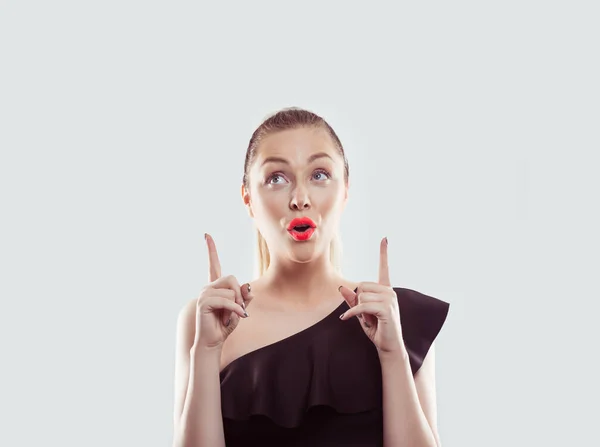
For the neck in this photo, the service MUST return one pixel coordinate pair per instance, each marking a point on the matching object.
(303, 284)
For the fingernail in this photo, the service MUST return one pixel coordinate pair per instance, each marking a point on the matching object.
(245, 314)
(360, 316)
(339, 288)
(249, 290)
(244, 305)
(204, 236)
(342, 316)
(228, 322)
(386, 241)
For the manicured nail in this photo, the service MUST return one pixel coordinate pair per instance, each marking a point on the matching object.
(339, 288)
(228, 322)
(386, 241)
(243, 305)
(245, 314)
(204, 236)
(342, 316)
(249, 290)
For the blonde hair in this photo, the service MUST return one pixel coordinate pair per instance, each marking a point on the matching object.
(285, 119)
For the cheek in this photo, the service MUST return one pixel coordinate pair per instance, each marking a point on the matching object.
(328, 204)
(270, 206)
(331, 201)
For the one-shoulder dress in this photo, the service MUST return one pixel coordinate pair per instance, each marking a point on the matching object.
(321, 386)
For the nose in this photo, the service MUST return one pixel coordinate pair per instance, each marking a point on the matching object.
(300, 200)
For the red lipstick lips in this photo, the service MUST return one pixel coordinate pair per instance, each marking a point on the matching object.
(301, 228)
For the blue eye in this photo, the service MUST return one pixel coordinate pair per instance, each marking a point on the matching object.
(272, 177)
(323, 171)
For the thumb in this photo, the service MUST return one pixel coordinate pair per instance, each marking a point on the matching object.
(247, 294)
(348, 295)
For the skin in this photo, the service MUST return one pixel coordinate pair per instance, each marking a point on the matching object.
(300, 273)
(299, 288)
(300, 276)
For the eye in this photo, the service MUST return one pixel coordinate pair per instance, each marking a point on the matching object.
(269, 180)
(323, 172)
(271, 177)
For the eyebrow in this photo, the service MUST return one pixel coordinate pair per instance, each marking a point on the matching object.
(283, 160)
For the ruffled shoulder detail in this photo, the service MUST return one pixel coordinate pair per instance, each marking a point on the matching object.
(422, 317)
(332, 364)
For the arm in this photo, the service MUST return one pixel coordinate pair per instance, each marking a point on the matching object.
(409, 408)
(197, 418)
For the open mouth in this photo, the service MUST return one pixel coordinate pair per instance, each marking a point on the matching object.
(301, 224)
(301, 234)
(301, 228)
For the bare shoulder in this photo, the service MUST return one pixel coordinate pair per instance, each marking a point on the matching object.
(188, 309)
(186, 324)
(185, 333)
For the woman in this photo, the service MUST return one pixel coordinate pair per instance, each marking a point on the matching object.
(293, 373)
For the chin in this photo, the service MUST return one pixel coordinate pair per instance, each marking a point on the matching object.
(303, 255)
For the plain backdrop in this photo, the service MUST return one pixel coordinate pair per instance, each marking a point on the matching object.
(472, 133)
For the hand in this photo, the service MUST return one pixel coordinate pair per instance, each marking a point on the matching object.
(220, 305)
(376, 305)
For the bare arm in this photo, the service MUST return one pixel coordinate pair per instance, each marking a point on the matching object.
(409, 409)
(197, 415)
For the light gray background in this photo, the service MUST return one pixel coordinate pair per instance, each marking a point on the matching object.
(471, 130)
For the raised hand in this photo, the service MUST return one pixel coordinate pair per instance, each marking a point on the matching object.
(376, 306)
(221, 304)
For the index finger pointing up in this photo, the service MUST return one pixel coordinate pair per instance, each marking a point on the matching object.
(214, 266)
(384, 272)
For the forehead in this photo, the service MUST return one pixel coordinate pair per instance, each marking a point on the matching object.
(296, 145)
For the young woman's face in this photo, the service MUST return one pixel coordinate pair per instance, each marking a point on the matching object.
(296, 173)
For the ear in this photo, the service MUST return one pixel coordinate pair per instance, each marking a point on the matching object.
(246, 200)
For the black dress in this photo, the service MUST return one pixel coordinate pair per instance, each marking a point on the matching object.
(321, 386)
